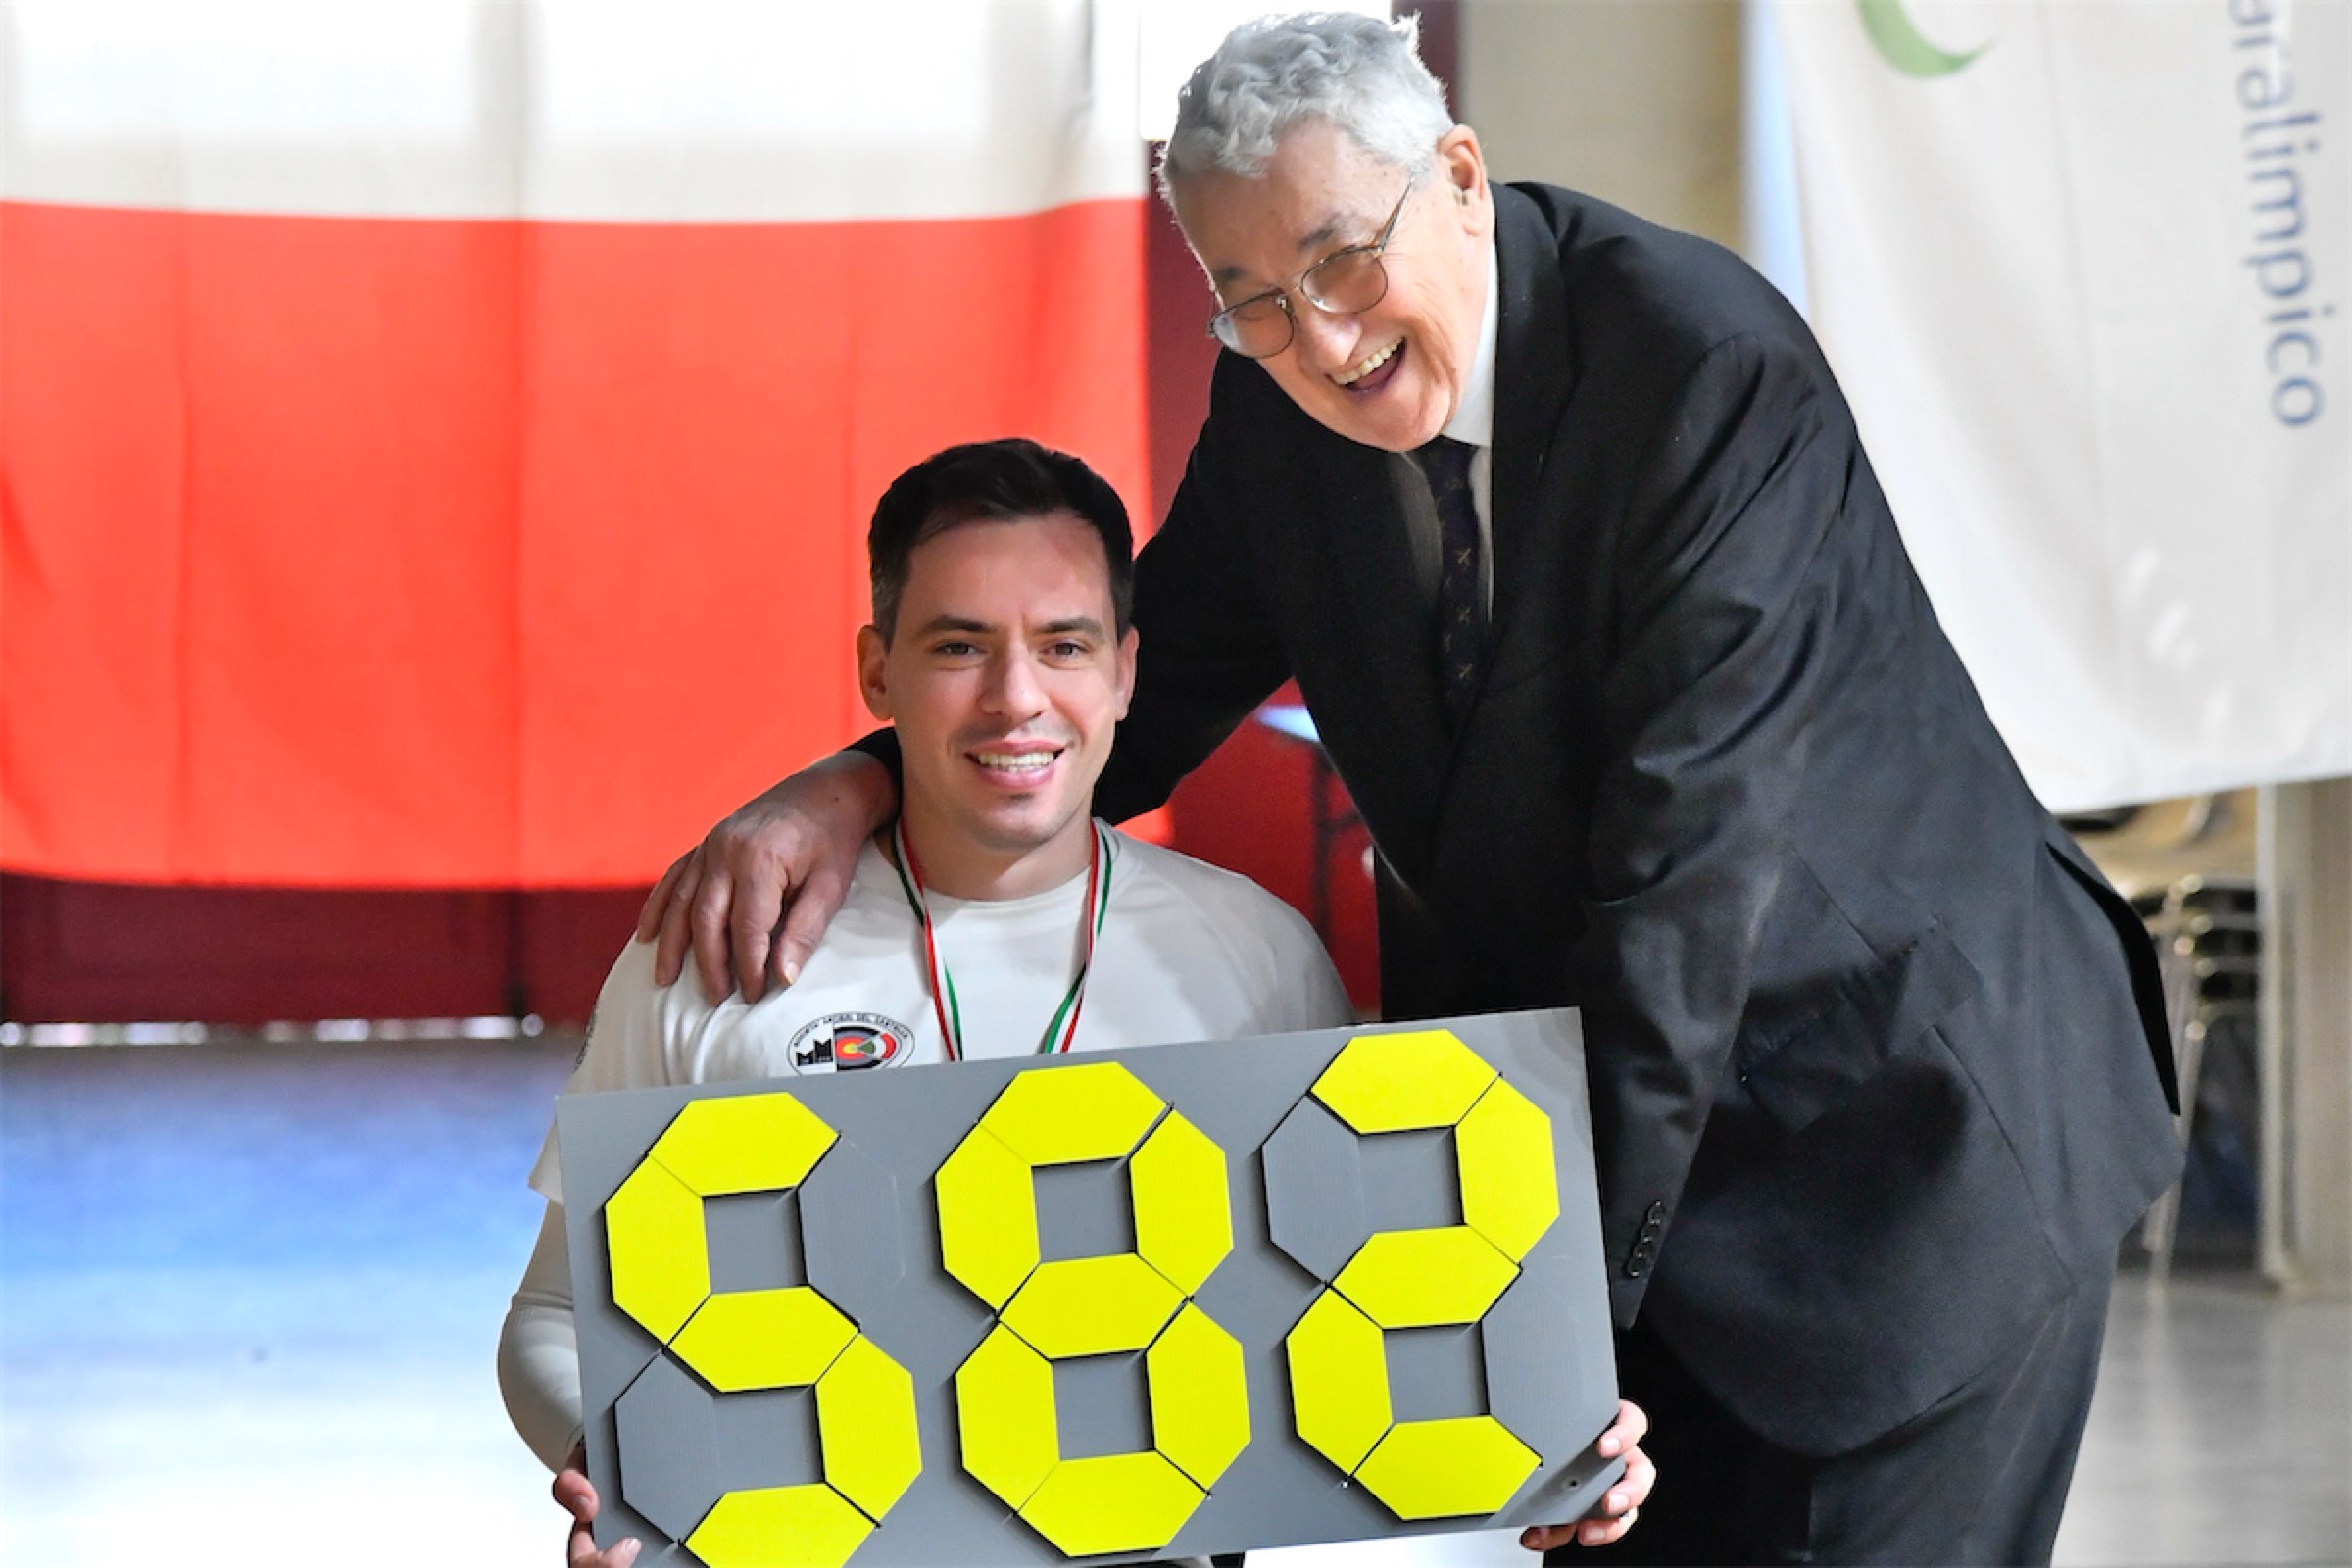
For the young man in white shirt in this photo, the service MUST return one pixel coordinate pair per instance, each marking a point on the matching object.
(996, 917)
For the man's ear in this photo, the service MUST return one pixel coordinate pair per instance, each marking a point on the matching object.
(1126, 670)
(1462, 166)
(873, 672)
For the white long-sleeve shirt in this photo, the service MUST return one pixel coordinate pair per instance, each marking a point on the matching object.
(1186, 952)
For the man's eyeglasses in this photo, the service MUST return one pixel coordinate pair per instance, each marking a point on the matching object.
(1339, 285)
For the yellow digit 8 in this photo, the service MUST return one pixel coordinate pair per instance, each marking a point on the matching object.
(785, 1338)
(1120, 1301)
(1442, 1275)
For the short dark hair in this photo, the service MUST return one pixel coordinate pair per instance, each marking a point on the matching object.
(991, 481)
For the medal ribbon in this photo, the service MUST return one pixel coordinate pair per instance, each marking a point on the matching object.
(1063, 1027)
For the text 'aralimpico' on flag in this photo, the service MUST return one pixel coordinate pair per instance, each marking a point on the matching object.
(2082, 270)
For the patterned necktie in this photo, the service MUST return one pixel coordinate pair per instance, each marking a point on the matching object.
(1461, 649)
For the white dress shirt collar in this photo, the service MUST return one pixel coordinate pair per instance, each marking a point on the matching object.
(1472, 418)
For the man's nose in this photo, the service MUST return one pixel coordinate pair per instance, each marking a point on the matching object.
(1323, 341)
(1012, 685)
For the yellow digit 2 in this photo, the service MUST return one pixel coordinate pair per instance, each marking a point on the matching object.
(1447, 1274)
(1121, 1302)
(784, 1338)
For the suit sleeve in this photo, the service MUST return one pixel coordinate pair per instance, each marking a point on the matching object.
(1207, 650)
(1723, 609)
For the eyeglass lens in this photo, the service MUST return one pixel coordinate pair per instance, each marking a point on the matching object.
(1351, 280)
(1339, 285)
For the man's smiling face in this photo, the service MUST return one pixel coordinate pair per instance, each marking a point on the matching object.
(1389, 377)
(1006, 678)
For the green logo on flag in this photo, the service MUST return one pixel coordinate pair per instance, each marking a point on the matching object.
(1901, 46)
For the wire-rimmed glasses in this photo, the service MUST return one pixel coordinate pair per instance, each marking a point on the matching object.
(1341, 283)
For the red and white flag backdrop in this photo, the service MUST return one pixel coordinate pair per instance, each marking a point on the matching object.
(436, 438)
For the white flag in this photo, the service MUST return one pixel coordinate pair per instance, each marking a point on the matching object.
(2082, 270)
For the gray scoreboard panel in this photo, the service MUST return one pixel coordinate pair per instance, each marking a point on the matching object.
(1120, 1305)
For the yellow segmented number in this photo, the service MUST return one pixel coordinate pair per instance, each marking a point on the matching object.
(1441, 1275)
(1119, 1302)
(767, 1339)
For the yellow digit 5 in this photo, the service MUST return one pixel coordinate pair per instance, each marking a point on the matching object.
(1121, 1302)
(784, 1338)
(1447, 1274)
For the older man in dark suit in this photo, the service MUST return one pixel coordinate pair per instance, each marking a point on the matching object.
(1563, 527)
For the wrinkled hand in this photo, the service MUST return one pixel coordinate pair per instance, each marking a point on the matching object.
(756, 895)
(577, 1494)
(1616, 1511)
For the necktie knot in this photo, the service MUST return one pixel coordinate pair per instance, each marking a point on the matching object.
(1446, 463)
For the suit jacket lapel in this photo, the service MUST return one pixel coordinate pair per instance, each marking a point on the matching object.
(1534, 373)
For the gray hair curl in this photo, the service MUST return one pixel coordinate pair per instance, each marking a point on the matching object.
(1361, 75)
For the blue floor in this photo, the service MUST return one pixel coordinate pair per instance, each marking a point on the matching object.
(249, 1296)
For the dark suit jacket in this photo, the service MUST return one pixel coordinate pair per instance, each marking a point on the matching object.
(1877, 1063)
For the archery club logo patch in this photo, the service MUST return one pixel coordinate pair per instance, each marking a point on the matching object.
(851, 1042)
